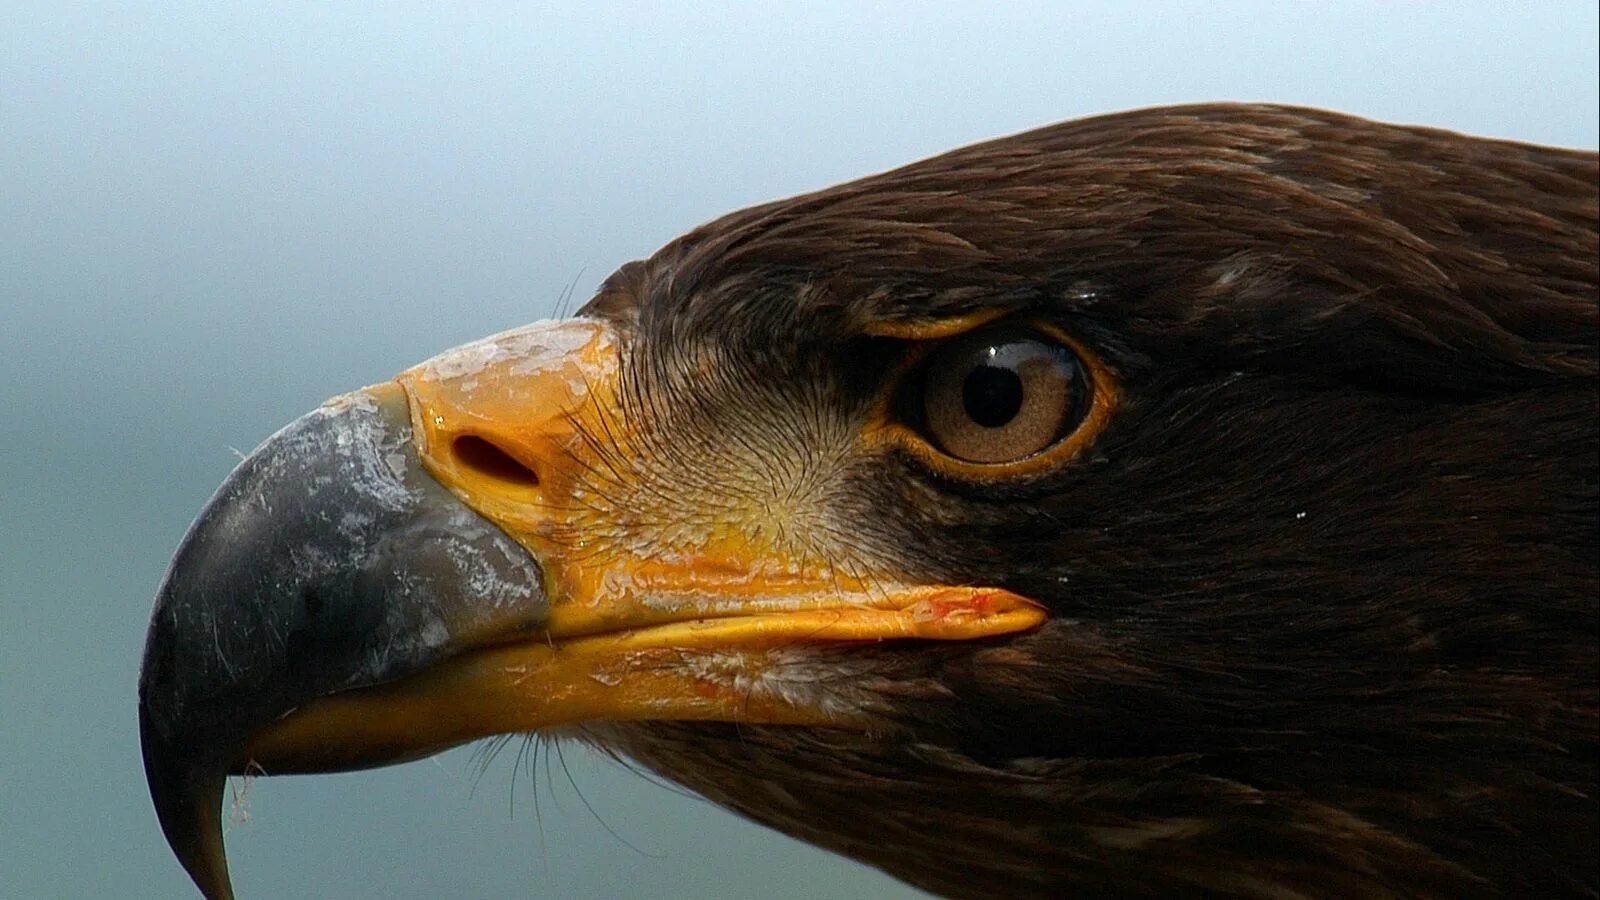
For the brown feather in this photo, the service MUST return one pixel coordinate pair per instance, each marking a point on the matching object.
(1324, 594)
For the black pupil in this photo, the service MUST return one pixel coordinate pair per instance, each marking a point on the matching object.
(992, 395)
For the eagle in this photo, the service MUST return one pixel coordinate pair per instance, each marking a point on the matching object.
(1198, 501)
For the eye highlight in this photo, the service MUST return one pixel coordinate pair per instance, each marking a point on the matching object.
(1002, 396)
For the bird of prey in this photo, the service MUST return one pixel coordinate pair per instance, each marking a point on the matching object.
(1190, 501)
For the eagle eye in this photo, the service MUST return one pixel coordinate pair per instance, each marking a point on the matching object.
(1000, 397)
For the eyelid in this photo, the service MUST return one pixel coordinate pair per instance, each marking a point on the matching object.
(936, 329)
(891, 430)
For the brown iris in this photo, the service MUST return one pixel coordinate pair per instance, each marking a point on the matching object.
(998, 397)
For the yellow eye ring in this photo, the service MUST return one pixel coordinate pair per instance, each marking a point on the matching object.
(1011, 438)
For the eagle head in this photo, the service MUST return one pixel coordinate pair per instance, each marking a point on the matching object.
(1198, 500)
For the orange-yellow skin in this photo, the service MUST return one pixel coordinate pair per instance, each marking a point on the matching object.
(641, 626)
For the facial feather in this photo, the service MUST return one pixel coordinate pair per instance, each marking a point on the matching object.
(1323, 590)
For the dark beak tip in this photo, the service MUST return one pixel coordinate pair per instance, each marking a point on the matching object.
(187, 795)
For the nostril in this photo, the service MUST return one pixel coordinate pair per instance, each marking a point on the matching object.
(483, 457)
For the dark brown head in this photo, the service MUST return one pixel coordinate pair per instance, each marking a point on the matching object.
(1194, 500)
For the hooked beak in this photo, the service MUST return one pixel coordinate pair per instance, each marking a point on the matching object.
(329, 560)
(407, 568)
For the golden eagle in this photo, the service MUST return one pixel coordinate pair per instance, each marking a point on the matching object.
(1191, 501)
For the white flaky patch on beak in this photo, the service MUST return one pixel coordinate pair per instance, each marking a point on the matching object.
(535, 349)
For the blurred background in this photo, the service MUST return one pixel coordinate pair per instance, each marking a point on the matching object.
(212, 216)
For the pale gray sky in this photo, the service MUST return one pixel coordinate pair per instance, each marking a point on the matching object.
(214, 215)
